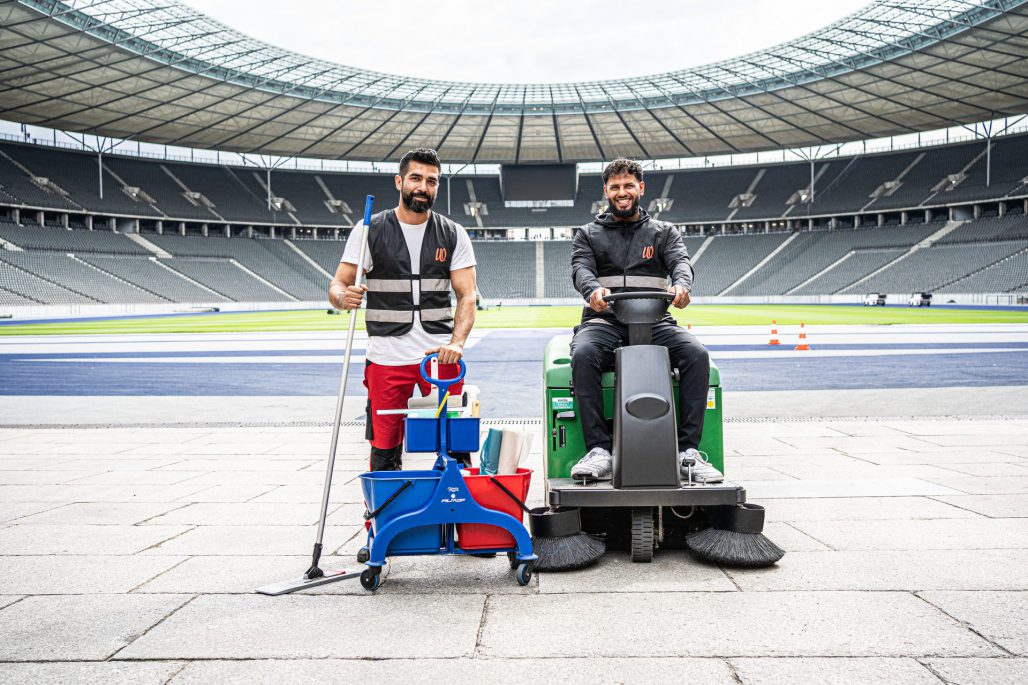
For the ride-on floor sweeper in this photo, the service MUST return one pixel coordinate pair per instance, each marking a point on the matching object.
(646, 504)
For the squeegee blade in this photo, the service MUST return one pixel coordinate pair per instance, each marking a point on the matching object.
(286, 586)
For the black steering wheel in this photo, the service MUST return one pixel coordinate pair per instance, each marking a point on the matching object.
(640, 295)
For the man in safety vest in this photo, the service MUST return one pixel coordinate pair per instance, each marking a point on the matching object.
(414, 258)
(621, 250)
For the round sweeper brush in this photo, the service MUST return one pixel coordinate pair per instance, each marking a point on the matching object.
(558, 540)
(735, 538)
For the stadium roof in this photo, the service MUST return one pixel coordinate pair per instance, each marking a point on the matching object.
(158, 71)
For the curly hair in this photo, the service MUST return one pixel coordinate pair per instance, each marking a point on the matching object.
(623, 165)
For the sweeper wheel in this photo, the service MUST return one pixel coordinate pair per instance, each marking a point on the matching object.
(524, 574)
(642, 534)
(371, 579)
(363, 554)
(512, 559)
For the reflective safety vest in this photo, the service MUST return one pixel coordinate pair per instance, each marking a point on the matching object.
(391, 309)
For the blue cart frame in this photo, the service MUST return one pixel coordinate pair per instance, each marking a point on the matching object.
(450, 503)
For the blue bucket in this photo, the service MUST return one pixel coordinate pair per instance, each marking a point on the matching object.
(420, 434)
(378, 486)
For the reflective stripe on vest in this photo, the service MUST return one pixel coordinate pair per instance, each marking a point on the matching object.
(436, 314)
(435, 284)
(388, 285)
(388, 316)
(632, 281)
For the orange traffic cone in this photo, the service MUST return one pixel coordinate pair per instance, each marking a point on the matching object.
(774, 334)
(803, 339)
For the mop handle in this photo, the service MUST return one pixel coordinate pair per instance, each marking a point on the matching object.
(330, 467)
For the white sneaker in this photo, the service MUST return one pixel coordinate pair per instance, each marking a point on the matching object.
(702, 471)
(596, 465)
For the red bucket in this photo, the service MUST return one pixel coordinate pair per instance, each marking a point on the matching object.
(485, 492)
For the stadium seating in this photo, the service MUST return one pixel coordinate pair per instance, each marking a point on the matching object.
(79, 277)
(150, 275)
(510, 267)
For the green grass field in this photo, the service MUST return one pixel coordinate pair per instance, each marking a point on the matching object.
(523, 317)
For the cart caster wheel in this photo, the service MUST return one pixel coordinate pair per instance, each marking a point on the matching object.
(512, 559)
(363, 555)
(524, 574)
(642, 534)
(371, 579)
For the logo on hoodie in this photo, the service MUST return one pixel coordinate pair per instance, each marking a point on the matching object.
(648, 252)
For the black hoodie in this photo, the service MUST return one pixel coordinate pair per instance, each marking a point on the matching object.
(607, 247)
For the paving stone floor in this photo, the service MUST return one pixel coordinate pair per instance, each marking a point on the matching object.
(130, 555)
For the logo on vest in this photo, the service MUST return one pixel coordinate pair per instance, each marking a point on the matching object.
(440, 254)
(648, 252)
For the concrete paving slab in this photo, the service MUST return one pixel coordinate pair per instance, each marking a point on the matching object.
(988, 485)
(342, 492)
(976, 438)
(926, 534)
(244, 540)
(991, 469)
(137, 478)
(89, 673)
(867, 471)
(99, 513)
(11, 511)
(1001, 617)
(861, 509)
(814, 624)
(970, 671)
(310, 479)
(78, 539)
(264, 514)
(495, 671)
(939, 457)
(22, 477)
(250, 465)
(98, 464)
(896, 570)
(7, 600)
(789, 538)
(95, 493)
(226, 493)
(858, 445)
(314, 627)
(995, 506)
(70, 575)
(959, 426)
(237, 574)
(670, 571)
(79, 627)
(832, 670)
(843, 487)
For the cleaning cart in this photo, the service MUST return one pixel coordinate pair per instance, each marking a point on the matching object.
(436, 511)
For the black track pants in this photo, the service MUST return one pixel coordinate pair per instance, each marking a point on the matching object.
(592, 353)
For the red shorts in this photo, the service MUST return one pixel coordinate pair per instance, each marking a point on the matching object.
(389, 387)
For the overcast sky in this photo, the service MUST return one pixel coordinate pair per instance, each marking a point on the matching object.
(526, 40)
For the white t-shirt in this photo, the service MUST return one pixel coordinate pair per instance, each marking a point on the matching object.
(398, 350)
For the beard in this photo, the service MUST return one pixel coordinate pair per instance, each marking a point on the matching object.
(624, 213)
(419, 203)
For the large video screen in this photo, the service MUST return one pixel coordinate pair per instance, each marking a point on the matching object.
(537, 182)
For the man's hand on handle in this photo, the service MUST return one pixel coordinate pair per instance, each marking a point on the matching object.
(448, 354)
(596, 302)
(353, 296)
(681, 300)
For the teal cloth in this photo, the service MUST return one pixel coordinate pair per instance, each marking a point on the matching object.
(489, 457)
